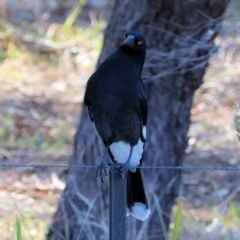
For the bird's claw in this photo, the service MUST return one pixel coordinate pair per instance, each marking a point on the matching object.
(103, 167)
(126, 167)
(117, 167)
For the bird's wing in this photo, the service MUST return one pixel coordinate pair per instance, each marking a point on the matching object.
(89, 95)
(143, 110)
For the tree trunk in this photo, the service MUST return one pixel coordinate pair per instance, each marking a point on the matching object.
(179, 36)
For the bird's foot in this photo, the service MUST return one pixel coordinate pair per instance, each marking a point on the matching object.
(102, 168)
(117, 167)
(127, 167)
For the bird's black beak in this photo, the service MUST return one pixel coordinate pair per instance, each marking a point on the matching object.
(129, 41)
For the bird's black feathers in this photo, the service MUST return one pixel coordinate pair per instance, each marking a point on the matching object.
(135, 188)
(117, 104)
(115, 93)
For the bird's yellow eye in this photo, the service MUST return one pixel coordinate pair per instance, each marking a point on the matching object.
(139, 42)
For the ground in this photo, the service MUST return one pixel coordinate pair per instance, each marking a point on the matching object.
(41, 91)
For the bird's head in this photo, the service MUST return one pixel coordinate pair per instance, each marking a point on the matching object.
(134, 42)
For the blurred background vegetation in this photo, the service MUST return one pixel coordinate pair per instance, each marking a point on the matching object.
(48, 49)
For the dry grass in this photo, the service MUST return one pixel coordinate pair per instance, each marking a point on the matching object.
(42, 80)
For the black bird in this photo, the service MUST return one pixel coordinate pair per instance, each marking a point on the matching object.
(117, 104)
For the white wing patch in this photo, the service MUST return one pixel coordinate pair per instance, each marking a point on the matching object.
(144, 131)
(121, 150)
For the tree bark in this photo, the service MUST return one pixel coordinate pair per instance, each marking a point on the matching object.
(179, 36)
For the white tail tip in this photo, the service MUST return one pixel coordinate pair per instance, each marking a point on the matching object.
(139, 211)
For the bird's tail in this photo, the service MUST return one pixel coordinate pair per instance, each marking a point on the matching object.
(136, 199)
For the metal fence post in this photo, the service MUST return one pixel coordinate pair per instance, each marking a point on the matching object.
(117, 202)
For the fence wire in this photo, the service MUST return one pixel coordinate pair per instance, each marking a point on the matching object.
(81, 166)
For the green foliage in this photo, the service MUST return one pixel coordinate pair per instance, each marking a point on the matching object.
(7, 127)
(234, 212)
(18, 229)
(32, 140)
(29, 221)
(54, 58)
(6, 43)
(56, 142)
(237, 120)
(8, 120)
(178, 219)
(26, 227)
(73, 16)
(3, 54)
(71, 19)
